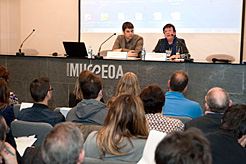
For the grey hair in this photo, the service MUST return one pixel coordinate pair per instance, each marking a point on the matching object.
(63, 144)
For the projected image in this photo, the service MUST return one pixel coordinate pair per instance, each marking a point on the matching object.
(201, 16)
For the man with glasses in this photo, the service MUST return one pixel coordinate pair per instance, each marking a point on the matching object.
(41, 93)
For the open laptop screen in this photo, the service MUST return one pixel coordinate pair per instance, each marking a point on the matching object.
(75, 49)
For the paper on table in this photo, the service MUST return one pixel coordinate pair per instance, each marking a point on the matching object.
(23, 142)
(153, 140)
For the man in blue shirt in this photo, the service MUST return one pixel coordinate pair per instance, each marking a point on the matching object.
(175, 102)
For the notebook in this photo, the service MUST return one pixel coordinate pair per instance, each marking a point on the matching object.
(75, 49)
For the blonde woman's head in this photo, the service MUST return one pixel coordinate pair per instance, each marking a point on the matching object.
(128, 84)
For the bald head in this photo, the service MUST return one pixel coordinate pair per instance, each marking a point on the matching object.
(218, 100)
(178, 81)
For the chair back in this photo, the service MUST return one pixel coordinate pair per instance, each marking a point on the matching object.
(87, 129)
(99, 161)
(24, 128)
(16, 109)
(183, 119)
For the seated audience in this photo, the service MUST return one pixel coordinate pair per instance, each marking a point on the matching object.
(153, 99)
(90, 110)
(76, 96)
(124, 134)
(62, 145)
(171, 42)
(6, 156)
(4, 74)
(41, 93)
(189, 147)
(128, 84)
(217, 101)
(6, 110)
(227, 144)
(175, 102)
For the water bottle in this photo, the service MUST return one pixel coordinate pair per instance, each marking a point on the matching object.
(90, 52)
(143, 54)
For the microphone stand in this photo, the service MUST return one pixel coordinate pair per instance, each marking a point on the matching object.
(184, 56)
(98, 54)
(22, 53)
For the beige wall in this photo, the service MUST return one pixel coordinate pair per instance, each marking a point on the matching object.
(9, 25)
(57, 20)
(53, 20)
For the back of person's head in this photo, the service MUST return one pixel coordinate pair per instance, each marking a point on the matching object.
(127, 25)
(81, 79)
(169, 26)
(4, 92)
(3, 129)
(217, 100)
(4, 73)
(234, 118)
(153, 99)
(91, 87)
(125, 119)
(189, 147)
(179, 80)
(39, 88)
(63, 144)
(128, 84)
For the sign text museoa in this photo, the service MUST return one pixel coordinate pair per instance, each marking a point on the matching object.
(106, 71)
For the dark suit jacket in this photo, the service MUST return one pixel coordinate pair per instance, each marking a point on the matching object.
(225, 148)
(180, 46)
(207, 123)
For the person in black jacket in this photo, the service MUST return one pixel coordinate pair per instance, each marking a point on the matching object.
(176, 45)
(227, 144)
(217, 101)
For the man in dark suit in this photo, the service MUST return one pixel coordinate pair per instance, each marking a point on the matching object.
(217, 101)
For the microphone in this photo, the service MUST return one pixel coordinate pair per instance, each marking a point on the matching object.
(22, 53)
(183, 56)
(98, 54)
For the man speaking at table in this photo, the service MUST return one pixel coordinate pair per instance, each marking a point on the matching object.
(128, 42)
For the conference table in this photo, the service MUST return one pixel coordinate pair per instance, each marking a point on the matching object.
(62, 73)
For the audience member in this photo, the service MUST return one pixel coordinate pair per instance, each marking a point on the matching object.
(225, 143)
(153, 99)
(171, 42)
(217, 101)
(7, 152)
(4, 74)
(175, 103)
(63, 144)
(5, 109)
(128, 84)
(124, 134)
(128, 42)
(76, 96)
(41, 93)
(189, 147)
(90, 110)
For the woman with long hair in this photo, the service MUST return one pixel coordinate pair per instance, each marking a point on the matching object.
(4, 74)
(6, 110)
(124, 134)
(128, 84)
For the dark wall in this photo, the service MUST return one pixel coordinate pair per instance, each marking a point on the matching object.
(202, 76)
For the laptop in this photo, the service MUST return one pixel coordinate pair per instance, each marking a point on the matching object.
(75, 49)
